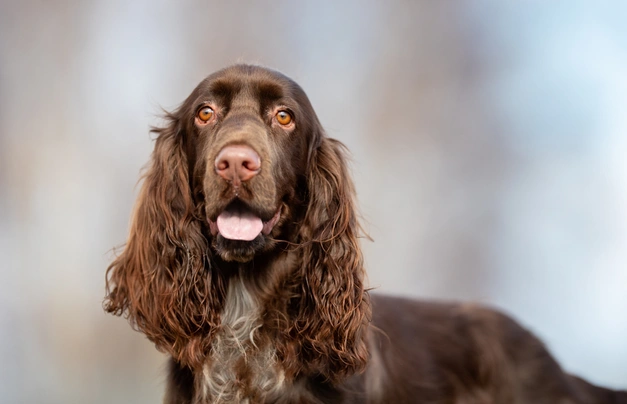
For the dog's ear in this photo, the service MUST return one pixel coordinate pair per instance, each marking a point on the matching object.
(334, 308)
(162, 280)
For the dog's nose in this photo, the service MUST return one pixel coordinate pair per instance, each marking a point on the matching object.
(237, 163)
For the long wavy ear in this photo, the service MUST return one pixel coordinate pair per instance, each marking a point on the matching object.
(162, 280)
(334, 308)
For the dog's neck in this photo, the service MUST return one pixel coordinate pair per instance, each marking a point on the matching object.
(241, 365)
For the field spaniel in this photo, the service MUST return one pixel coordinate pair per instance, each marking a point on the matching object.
(243, 264)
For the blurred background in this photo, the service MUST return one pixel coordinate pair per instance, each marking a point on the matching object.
(488, 145)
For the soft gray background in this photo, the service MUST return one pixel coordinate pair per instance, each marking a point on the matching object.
(488, 144)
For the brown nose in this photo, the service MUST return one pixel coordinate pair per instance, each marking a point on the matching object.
(237, 163)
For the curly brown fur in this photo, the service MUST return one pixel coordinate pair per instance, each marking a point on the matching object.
(243, 264)
(162, 280)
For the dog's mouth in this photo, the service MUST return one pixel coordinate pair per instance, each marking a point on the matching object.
(238, 222)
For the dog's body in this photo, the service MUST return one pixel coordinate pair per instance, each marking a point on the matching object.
(243, 263)
(420, 352)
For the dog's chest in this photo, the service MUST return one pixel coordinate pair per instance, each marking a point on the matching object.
(242, 367)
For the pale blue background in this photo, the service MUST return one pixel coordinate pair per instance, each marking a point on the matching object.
(488, 141)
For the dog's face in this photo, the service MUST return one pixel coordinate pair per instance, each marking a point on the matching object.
(247, 133)
(243, 172)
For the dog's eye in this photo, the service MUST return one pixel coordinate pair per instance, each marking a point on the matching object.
(205, 114)
(283, 117)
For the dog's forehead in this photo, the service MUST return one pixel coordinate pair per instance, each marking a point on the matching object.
(248, 84)
(248, 81)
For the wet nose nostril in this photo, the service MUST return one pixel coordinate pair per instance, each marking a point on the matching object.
(237, 163)
(222, 165)
(251, 165)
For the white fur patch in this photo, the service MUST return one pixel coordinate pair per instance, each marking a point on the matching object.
(222, 379)
(375, 377)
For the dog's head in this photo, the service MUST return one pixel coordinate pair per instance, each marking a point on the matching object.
(247, 132)
(241, 173)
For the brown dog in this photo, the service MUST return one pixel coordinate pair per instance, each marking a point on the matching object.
(243, 264)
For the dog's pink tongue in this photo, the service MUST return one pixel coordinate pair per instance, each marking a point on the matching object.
(239, 225)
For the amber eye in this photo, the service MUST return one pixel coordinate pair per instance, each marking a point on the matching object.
(205, 114)
(283, 117)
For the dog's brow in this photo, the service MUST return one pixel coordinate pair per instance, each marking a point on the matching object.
(268, 91)
(225, 88)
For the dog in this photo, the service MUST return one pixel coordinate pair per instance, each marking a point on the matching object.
(243, 264)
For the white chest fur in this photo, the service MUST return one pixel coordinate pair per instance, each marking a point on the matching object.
(241, 367)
